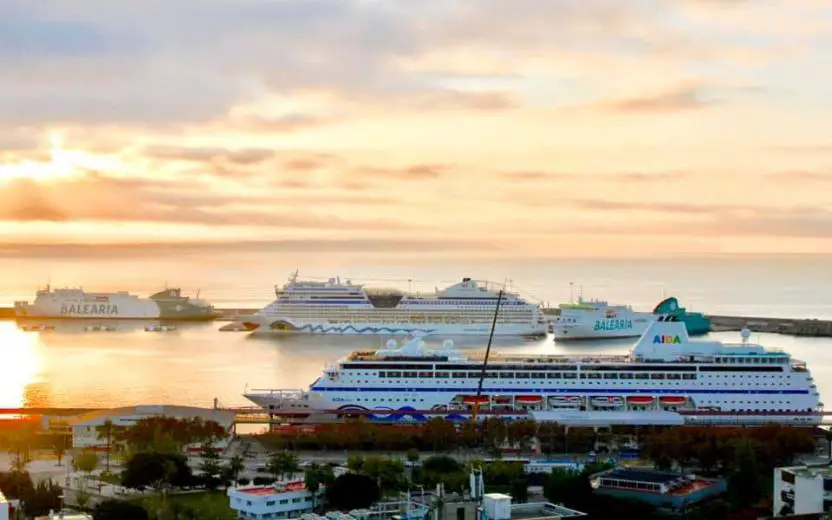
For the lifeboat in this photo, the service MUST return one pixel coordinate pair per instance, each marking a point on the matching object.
(502, 399)
(640, 399)
(672, 399)
(472, 399)
(528, 398)
(606, 401)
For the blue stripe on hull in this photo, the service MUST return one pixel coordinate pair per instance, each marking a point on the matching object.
(558, 390)
(363, 330)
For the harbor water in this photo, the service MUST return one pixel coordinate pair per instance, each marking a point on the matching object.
(196, 363)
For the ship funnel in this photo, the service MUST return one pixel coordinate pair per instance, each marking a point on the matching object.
(664, 331)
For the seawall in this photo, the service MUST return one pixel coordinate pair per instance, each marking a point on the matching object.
(794, 327)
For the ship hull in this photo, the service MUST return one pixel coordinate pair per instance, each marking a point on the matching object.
(110, 306)
(597, 326)
(268, 325)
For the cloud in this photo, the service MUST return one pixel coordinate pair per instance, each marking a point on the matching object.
(614, 177)
(419, 172)
(155, 249)
(244, 156)
(800, 176)
(98, 198)
(683, 98)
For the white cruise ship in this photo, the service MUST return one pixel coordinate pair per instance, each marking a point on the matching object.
(665, 379)
(333, 307)
(168, 304)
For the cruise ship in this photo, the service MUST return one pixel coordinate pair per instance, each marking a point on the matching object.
(598, 320)
(333, 307)
(665, 379)
(168, 304)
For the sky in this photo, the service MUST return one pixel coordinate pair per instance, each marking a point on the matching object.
(542, 128)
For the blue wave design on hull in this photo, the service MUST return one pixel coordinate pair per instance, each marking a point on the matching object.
(403, 414)
(363, 330)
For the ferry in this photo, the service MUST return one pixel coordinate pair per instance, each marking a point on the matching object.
(597, 319)
(168, 304)
(664, 379)
(332, 307)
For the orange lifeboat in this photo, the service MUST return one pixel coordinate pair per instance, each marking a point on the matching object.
(472, 399)
(528, 398)
(640, 399)
(672, 399)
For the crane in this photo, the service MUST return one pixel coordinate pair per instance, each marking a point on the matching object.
(485, 361)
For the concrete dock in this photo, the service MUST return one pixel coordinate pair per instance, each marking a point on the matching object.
(794, 327)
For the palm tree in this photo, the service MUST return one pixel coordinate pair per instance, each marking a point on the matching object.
(59, 446)
(313, 478)
(105, 430)
(235, 467)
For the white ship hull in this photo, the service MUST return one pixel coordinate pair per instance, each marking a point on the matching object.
(75, 304)
(664, 380)
(596, 325)
(277, 325)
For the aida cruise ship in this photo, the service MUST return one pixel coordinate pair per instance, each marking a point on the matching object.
(332, 307)
(665, 379)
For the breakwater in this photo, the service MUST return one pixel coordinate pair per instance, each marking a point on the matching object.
(791, 326)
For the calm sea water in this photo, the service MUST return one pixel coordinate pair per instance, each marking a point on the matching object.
(196, 363)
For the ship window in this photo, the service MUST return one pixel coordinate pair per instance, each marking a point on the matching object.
(394, 374)
(569, 375)
(506, 375)
(409, 374)
(610, 376)
(656, 376)
(521, 375)
(625, 376)
(674, 376)
(460, 375)
(442, 374)
(642, 376)
(382, 374)
(474, 375)
(583, 375)
(594, 376)
(538, 375)
(426, 374)
(553, 375)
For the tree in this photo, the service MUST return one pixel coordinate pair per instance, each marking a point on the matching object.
(235, 466)
(283, 463)
(119, 510)
(352, 491)
(105, 431)
(156, 470)
(210, 465)
(313, 478)
(520, 489)
(59, 446)
(82, 497)
(44, 497)
(413, 455)
(85, 461)
(355, 463)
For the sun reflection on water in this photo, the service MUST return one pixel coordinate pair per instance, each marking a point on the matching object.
(20, 362)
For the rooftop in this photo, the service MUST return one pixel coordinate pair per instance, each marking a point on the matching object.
(547, 510)
(280, 487)
(129, 414)
(810, 471)
(642, 475)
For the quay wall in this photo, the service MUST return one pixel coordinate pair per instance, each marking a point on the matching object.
(795, 327)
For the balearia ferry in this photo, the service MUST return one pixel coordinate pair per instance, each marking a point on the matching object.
(168, 304)
(598, 319)
(332, 307)
(665, 379)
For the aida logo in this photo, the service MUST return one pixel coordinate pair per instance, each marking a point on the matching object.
(667, 340)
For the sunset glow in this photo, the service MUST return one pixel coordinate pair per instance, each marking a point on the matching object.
(560, 129)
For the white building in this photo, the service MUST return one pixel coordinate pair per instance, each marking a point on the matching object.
(801, 490)
(85, 434)
(281, 500)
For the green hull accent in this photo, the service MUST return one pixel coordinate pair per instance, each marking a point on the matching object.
(696, 322)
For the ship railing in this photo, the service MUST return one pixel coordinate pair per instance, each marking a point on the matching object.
(278, 393)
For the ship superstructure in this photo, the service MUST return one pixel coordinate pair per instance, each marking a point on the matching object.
(168, 304)
(664, 376)
(597, 319)
(335, 307)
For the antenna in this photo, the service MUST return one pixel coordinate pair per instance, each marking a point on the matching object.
(571, 292)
